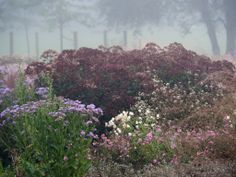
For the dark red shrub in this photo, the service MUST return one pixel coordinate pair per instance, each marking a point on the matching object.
(111, 77)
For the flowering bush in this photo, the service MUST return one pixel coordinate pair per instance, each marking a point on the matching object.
(177, 102)
(135, 140)
(164, 91)
(45, 135)
(49, 138)
(112, 78)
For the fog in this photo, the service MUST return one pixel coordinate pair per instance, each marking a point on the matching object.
(206, 28)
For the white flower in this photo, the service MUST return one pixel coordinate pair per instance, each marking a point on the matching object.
(119, 117)
(131, 113)
(129, 134)
(147, 111)
(118, 130)
(128, 118)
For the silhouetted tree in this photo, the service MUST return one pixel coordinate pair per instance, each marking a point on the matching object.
(19, 13)
(59, 13)
(183, 13)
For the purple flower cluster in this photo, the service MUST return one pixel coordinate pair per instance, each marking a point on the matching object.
(4, 92)
(42, 91)
(66, 106)
(75, 106)
(13, 112)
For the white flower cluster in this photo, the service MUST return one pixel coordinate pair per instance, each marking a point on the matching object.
(120, 121)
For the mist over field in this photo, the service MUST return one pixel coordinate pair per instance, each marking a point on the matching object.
(198, 25)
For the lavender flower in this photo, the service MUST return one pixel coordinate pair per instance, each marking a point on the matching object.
(66, 106)
(42, 91)
(90, 106)
(5, 91)
(82, 133)
(13, 112)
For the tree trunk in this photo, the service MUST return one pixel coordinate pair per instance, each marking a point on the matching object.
(37, 45)
(230, 26)
(125, 39)
(61, 36)
(27, 39)
(105, 39)
(11, 39)
(213, 39)
(75, 37)
(211, 31)
(230, 43)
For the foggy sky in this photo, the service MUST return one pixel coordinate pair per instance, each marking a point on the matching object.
(196, 40)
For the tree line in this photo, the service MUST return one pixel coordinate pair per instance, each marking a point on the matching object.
(132, 14)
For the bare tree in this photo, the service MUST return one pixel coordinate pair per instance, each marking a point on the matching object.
(183, 13)
(19, 13)
(59, 13)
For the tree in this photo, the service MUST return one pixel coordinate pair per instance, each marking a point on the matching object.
(59, 13)
(19, 13)
(230, 25)
(184, 13)
(195, 12)
(132, 13)
(211, 13)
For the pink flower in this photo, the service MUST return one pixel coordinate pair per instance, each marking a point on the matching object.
(154, 161)
(179, 130)
(158, 129)
(149, 137)
(65, 158)
(82, 133)
(210, 142)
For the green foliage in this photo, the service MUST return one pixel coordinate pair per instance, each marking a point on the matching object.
(45, 147)
(46, 80)
(44, 138)
(22, 92)
(6, 172)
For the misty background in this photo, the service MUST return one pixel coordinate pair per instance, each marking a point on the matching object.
(29, 27)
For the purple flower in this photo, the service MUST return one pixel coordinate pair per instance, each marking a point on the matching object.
(5, 91)
(90, 106)
(16, 110)
(65, 107)
(82, 133)
(92, 135)
(57, 115)
(42, 91)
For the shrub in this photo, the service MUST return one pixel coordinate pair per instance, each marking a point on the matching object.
(45, 135)
(112, 78)
(135, 140)
(49, 138)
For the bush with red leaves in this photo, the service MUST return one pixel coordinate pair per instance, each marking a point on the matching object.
(112, 78)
